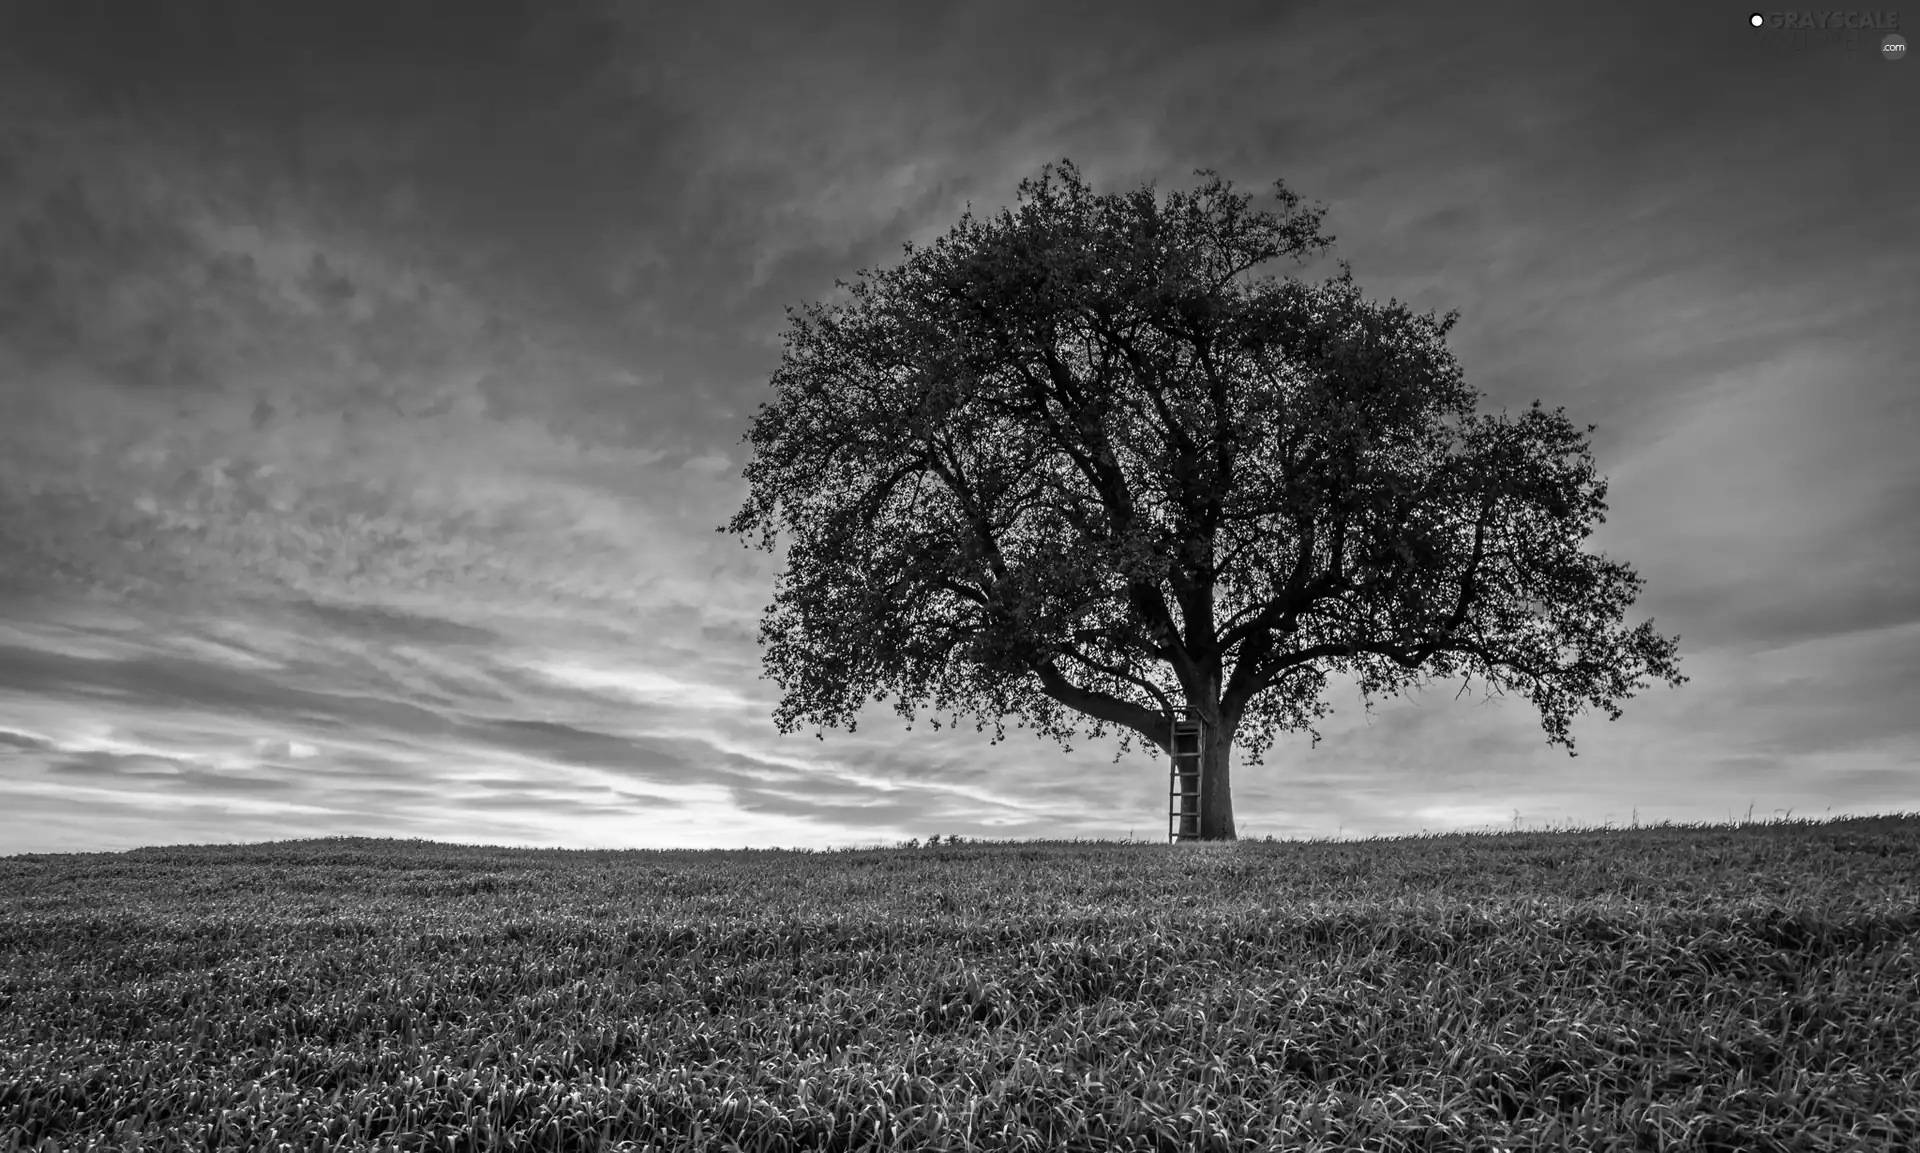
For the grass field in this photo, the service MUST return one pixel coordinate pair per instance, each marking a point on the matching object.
(1747, 987)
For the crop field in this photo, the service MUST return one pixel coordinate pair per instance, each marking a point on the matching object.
(1743, 987)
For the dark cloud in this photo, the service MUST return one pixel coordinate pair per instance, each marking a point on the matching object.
(173, 682)
(736, 635)
(1874, 786)
(167, 774)
(71, 254)
(390, 625)
(576, 805)
(1756, 613)
(107, 765)
(1748, 769)
(358, 58)
(836, 810)
(655, 760)
(22, 741)
(574, 746)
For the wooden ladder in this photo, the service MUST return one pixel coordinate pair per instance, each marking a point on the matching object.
(1187, 734)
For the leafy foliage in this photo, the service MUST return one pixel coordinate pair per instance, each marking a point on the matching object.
(1079, 459)
(1747, 988)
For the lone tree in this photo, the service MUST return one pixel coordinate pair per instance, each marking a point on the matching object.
(1079, 456)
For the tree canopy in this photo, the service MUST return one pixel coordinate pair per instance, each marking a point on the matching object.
(1080, 458)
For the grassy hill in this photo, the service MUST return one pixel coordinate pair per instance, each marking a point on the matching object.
(1741, 987)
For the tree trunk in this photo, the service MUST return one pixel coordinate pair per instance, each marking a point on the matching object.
(1216, 792)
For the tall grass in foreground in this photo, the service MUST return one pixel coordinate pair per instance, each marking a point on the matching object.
(1720, 988)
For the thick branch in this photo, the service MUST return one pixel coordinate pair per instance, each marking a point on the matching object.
(1120, 674)
(1103, 706)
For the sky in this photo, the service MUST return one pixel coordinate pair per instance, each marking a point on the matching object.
(373, 381)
